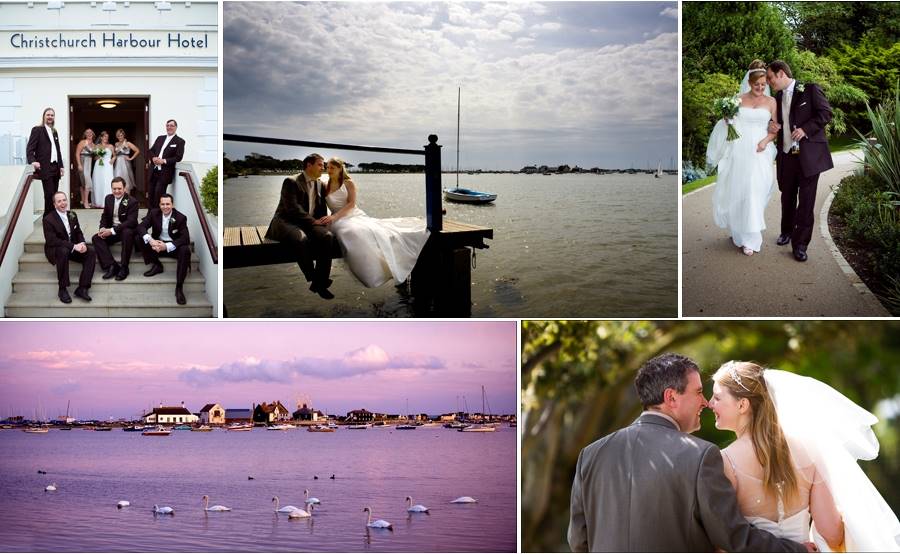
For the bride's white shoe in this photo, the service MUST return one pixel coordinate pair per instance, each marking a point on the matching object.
(747, 251)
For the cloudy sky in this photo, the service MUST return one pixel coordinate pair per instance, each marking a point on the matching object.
(105, 369)
(586, 83)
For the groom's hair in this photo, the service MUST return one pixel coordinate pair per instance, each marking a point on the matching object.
(666, 371)
(311, 159)
(779, 65)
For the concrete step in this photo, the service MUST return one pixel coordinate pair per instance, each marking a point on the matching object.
(44, 283)
(32, 261)
(159, 303)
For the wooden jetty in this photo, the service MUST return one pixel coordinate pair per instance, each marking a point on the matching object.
(441, 281)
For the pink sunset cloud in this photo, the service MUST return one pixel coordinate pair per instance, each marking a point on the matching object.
(120, 369)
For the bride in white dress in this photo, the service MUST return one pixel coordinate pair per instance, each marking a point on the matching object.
(793, 464)
(101, 180)
(745, 173)
(375, 250)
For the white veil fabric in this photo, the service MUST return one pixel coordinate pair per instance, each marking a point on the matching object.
(745, 85)
(835, 433)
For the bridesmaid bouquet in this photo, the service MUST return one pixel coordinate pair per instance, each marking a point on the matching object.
(99, 152)
(727, 108)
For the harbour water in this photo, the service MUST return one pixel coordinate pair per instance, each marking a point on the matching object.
(377, 467)
(576, 245)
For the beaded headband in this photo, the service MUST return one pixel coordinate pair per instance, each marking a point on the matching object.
(732, 371)
(757, 70)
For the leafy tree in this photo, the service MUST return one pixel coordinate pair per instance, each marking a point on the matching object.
(724, 37)
(873, 69)
(820, 26)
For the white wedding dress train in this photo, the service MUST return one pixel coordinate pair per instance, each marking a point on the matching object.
(745, 179)
(376, 250)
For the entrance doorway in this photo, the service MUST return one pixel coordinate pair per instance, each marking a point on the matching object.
(109, 113)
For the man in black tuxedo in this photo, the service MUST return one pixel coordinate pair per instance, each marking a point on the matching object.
(803, 113)
(164, 232)
(64, 241)
(302, 202)
(44, 154)
(167, 151)
(117, 223)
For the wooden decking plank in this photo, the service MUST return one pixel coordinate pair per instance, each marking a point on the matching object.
(261, 229)
(249, 236)
(232, 236)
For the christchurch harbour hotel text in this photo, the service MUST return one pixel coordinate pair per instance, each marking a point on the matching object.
(109, 40)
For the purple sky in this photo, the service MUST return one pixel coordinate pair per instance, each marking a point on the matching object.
(110, 368)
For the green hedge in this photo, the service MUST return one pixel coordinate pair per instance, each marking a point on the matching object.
(209, 191)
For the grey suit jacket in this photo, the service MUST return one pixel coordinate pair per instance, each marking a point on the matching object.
(651, 488)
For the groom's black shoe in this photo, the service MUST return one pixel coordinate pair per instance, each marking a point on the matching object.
(800, 254)
(322, 290)
(783, 239)
(112, 271)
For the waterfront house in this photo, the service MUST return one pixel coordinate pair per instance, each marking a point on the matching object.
(529, 169)
(238, 415)
(212, 414)
(360, 416)
(170, 414)
(270, 412)
(305, 413)
(448, 417)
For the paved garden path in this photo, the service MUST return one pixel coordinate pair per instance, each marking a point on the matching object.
(718, 280)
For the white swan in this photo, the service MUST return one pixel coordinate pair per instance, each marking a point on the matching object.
(309, 500)
(464, 500)
(298, 513)
(50, 488)
(216, 508)
(286, 509)
(165, 510)
(378, 523)
(417, 508)
(123, 504)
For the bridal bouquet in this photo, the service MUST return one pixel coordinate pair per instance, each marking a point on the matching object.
(728, 108)
(100, 151)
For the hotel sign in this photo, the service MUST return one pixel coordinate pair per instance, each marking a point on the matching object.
(107, 43)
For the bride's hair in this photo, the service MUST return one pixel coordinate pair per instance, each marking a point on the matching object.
(757, 69)
(340, 163)
(745, 380)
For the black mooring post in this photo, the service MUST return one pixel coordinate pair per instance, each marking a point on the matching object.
(433, 207)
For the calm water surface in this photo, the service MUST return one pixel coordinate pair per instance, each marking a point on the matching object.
(564, 246)
(377, 468)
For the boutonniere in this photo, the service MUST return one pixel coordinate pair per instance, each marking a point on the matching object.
(71, 216)
(124, 203)
(799, 87)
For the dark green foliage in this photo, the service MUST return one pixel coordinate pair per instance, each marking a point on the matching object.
(698, 115)
(724, 37)
(820, 26)
(209, 191)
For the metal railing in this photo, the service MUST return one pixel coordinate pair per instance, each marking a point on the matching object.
(201, 213)
(14, 219)
(431, 151)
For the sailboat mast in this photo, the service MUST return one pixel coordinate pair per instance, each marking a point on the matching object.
(458, 99)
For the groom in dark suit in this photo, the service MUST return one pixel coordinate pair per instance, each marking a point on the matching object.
(803, 113)
(164, 232)
(64, 241)
(302, 202)
(117, 223)
(44, 154)
(653, 487)
(167, 150)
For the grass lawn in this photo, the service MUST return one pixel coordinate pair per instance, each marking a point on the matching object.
(839, 144)
(699, 183)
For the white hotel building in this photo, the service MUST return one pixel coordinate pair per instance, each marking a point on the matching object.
(106, 65)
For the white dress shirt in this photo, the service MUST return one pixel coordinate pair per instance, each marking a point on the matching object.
(163, 234)
(786, 99)
(54, 157)
(64, 216)
(162, 151)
